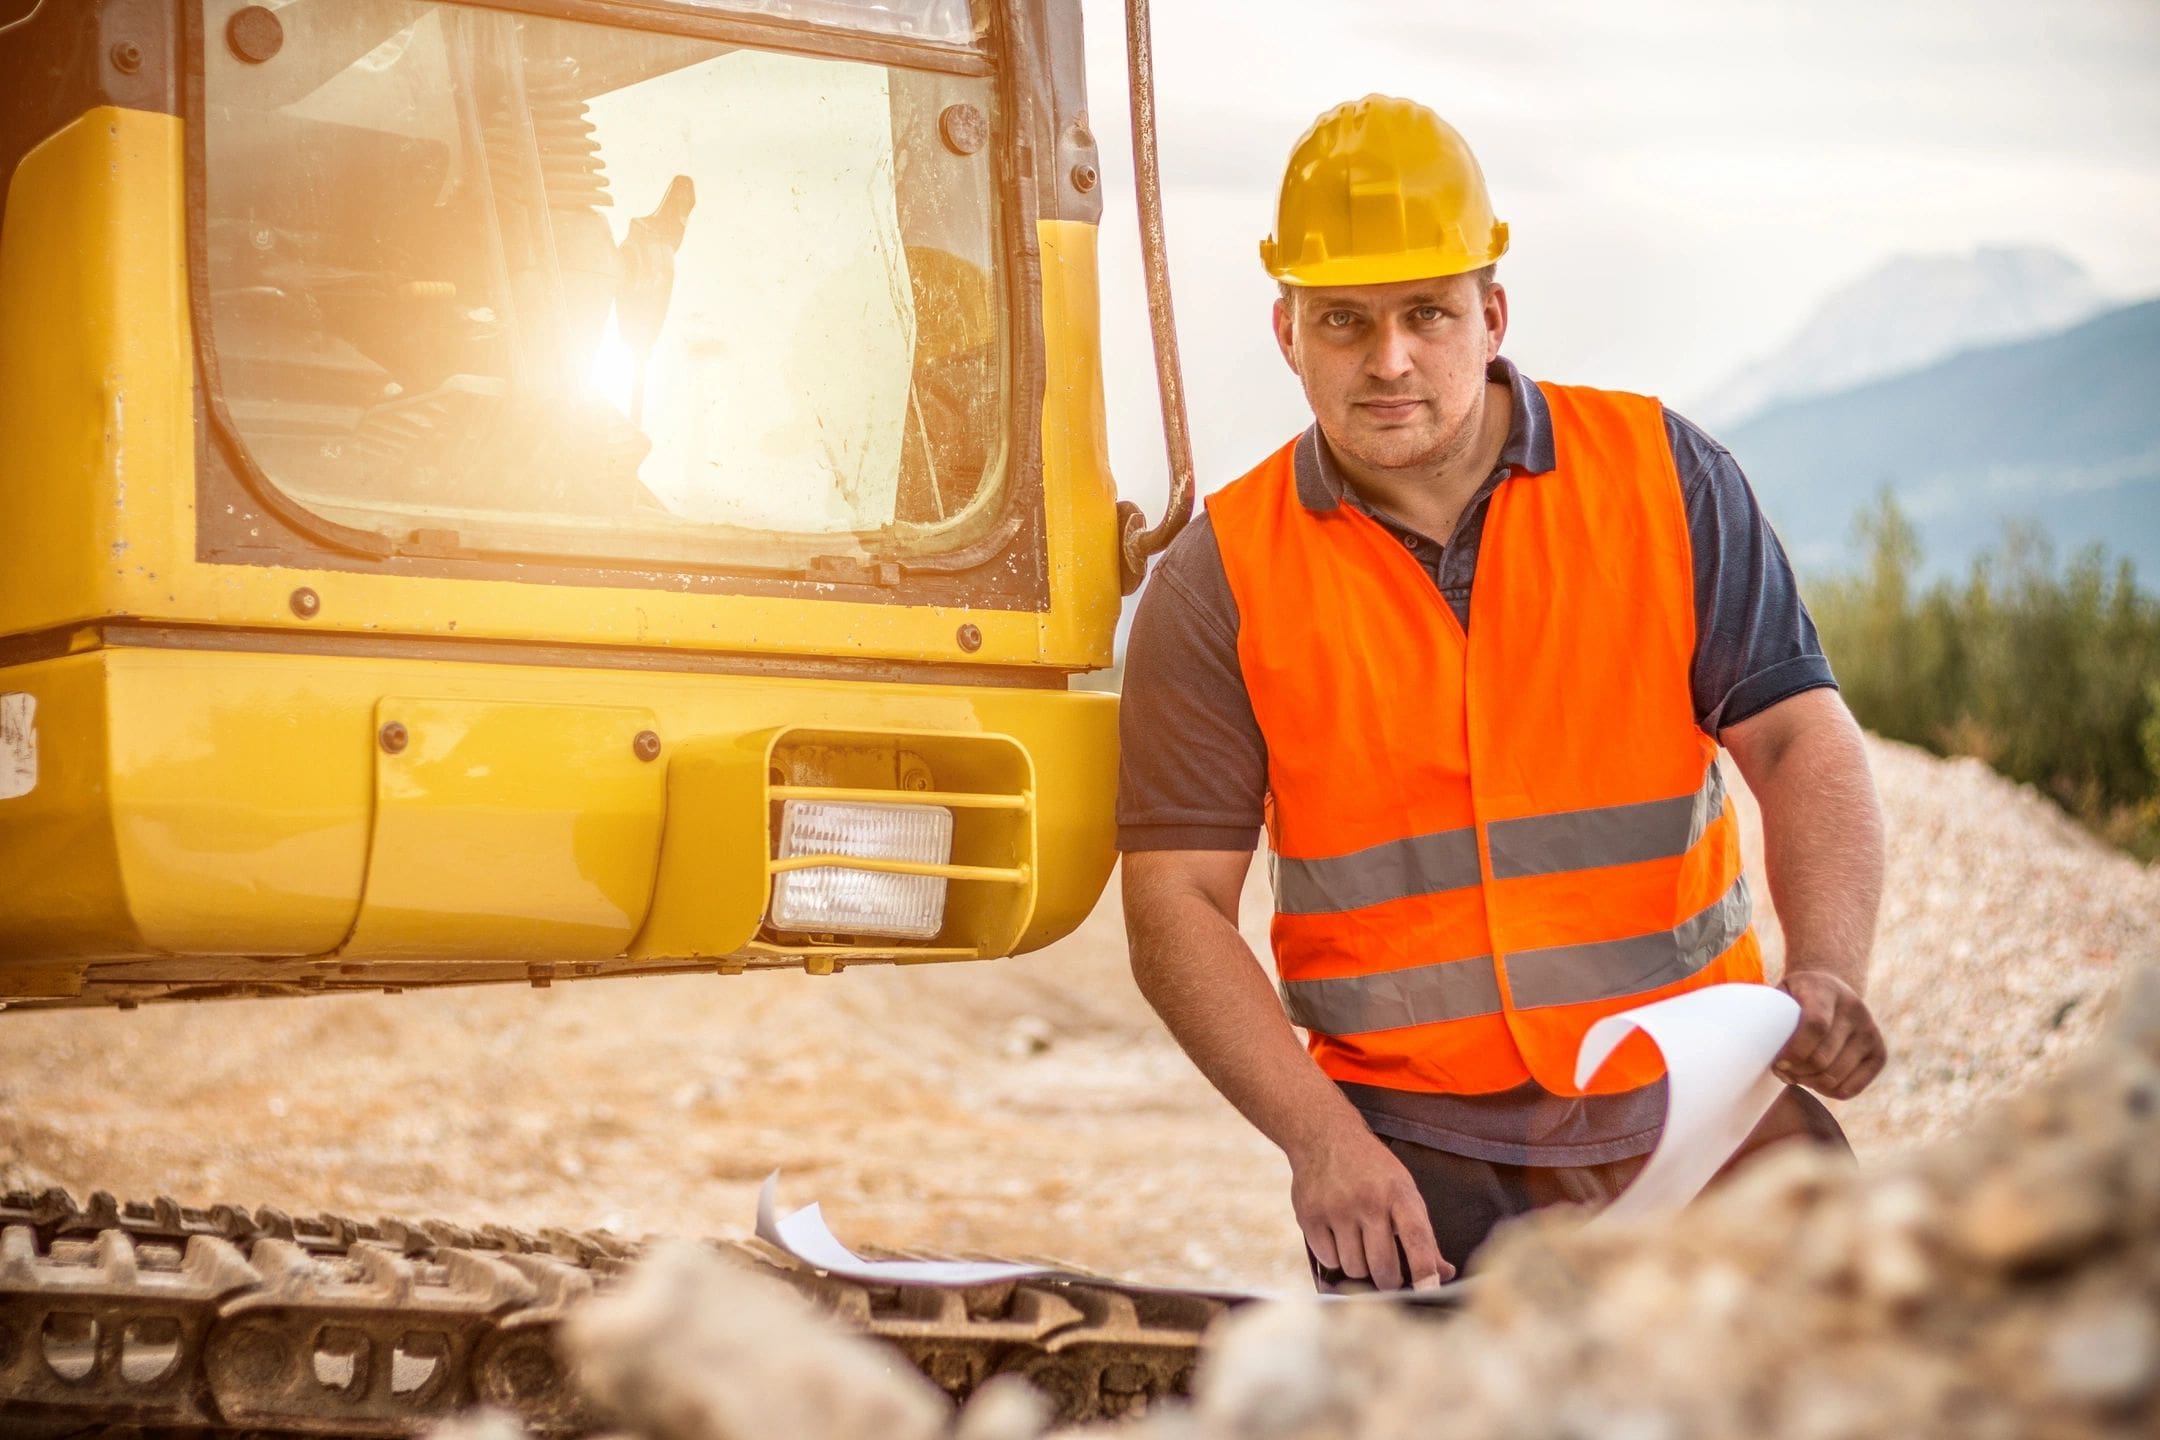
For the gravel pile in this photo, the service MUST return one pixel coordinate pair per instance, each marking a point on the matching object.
(2005, 928)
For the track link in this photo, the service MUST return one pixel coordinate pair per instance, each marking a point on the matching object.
(159, 1318)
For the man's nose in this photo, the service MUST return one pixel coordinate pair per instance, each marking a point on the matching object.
(1389, 358)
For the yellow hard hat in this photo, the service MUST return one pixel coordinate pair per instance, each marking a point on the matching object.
(1380, 190)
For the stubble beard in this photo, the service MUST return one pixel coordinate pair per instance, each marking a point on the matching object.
(1428, 449)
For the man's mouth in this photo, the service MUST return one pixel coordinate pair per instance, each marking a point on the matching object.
(1401, 409)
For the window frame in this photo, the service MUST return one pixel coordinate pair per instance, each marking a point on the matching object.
(244, 517)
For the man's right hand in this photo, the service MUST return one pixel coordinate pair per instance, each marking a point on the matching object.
(1354, 1201)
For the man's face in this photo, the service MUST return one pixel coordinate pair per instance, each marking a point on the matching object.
(1395, 374)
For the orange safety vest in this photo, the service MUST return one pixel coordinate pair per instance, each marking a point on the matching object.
(1485, 842)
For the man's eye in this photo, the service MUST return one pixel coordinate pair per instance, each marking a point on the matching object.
(1339, 319)
(1428, 314)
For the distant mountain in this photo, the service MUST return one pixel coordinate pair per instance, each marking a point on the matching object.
(2063, 431)
(1909, 312)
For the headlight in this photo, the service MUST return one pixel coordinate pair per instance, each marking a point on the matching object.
(841, 899)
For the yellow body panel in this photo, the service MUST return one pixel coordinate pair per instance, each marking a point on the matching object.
(508, 829)
(1082, 497)
(97, 438)
(97, 488)
(242, 805)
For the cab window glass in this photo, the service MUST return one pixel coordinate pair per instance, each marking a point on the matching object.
(523, 284)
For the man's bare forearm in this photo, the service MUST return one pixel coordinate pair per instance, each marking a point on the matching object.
(1823, 847)
(1203, 980)
(1822, 840)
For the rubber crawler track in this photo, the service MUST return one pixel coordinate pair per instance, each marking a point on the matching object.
(133, 1319)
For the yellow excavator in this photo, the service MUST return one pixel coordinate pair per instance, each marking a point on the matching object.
(528, 491)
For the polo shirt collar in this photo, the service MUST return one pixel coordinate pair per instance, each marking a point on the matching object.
(1528, 449)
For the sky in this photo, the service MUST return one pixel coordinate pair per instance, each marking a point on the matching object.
(1684, 179)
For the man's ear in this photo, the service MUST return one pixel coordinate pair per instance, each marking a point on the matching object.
(1286, 334)
(1495, 319)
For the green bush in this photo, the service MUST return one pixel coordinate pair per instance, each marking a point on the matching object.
(2049, 673)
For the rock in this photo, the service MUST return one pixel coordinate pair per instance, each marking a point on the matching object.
(1005, 1408)
(1266, 1370)
(1028, 1035)
(2137, 1017)
(696, 1347)
(480, 1425)
(1892, 1262)
(2044, 1213)
(2105, 1353)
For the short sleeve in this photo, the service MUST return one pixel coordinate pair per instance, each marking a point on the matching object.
(1755, 644)
(1192, 764)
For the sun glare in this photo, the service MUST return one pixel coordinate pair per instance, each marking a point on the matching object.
(613, 375)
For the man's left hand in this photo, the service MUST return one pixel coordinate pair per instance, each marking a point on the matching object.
(1837, 1048)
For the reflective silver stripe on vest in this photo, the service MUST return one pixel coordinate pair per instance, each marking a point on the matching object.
(1421, 865)
(1607, 969)
(1354, 1004)
(1557, 975)
(1532, 845)
(1608, 835)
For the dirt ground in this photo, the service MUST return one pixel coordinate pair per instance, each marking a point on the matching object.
(1030, 1106)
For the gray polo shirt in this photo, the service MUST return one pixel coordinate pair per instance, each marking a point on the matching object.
(1193, 766)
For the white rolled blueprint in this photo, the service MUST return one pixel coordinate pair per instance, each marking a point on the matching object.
(1718, 1043)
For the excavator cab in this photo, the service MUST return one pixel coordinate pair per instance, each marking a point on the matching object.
(528, 491)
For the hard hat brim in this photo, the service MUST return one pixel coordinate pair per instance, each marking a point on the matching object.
(1435, 263)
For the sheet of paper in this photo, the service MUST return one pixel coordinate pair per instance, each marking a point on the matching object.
(804, 1234)
(1718, 1043)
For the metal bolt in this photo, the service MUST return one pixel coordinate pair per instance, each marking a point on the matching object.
(1084, 177)
(127, 57)
(647, 745)
(963, 128)
(306, 603)
(393, 737)
(970, 638)
(255, 33)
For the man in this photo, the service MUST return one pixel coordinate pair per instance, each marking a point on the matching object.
(1468, 648)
